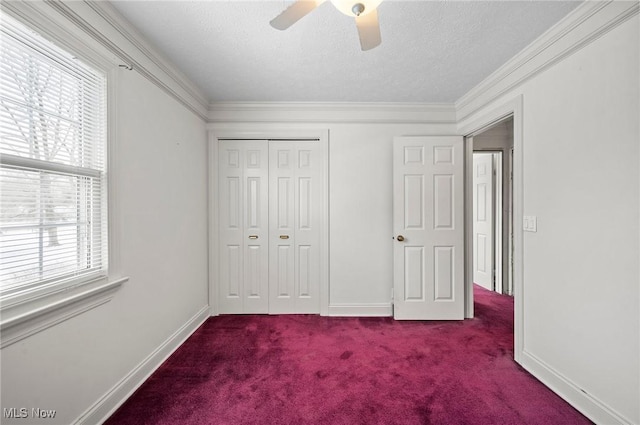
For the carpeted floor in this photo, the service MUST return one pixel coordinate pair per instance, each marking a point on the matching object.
(320, 370)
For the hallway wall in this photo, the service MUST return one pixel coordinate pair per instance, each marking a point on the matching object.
(580, 133)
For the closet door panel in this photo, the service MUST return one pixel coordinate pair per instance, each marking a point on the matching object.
(230, 228)
(256, 225)
(307, 227)
(294, 176)
(243, 227)
(281, 228)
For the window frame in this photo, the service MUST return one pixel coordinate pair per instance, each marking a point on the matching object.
(68, 279)
(27, 310)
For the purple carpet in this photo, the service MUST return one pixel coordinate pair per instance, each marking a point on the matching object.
(320, 370)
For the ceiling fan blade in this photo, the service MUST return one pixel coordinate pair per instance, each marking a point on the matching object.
(369, 30)
(294, 13)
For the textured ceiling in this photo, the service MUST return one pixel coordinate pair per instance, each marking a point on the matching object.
(432, 51)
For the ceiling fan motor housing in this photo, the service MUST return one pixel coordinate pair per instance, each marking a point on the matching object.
(357, 9)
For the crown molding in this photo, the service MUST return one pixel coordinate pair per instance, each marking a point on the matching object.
(103, 24)
(107, 29)
(589, 21)
(127, 30)
(56, 28)
(332, 112)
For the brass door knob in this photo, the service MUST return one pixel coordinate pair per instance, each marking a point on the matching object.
(400, 238)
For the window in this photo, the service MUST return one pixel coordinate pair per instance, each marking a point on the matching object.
(53, 189)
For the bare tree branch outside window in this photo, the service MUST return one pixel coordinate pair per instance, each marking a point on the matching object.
(47, 215)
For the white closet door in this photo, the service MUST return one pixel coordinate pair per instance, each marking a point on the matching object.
(294, 226)
(243, 226)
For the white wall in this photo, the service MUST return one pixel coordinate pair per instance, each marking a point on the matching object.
(360, 202)
(581, 270)
(581, 273)
(160, 175)
(361, 207)
(497, 137)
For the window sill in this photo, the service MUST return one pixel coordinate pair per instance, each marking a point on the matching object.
(22, 319)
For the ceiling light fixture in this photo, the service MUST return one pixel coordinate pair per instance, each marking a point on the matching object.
(355, 8)
(364, 11)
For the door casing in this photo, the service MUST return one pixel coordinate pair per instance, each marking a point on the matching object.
(511, 108)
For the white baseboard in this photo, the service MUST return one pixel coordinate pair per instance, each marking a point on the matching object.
(108, 403)
(361, 310)
(585, 403)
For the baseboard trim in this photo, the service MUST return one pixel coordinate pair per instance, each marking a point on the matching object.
(584, 402)
(116, 396)
(361, 310)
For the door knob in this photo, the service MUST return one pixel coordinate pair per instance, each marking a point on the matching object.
(400, 238)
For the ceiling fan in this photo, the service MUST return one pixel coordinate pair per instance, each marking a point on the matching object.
(364, 11)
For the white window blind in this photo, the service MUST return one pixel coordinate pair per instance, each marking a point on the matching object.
(53, 191)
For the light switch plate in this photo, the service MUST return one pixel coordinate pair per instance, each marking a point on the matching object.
(530, 223)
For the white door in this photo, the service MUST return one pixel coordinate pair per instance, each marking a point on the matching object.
(428, 222)
(243, 226)
(483, 250)
(294, 226)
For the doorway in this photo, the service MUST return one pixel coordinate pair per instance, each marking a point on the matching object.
(492, 216)
(471, 127)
